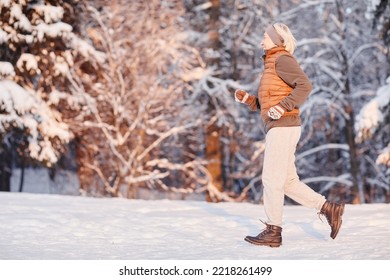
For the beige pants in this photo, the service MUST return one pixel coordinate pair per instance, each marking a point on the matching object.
(280, 175)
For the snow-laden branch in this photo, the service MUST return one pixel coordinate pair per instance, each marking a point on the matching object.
(326, 46)
(23, 110)
(360, 49)
(341, 179)
(250, 187)
(322, 148)
(97, 16)
(335, 108)
(372, 115)
(335, 76)
(109, 189)
(332, 181)
(384, 157)
(154, 175)
(6, 69)
(319, 41)
(306, 4)
(376, 182)
(163, 136)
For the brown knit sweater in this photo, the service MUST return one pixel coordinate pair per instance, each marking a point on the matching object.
(288, 69)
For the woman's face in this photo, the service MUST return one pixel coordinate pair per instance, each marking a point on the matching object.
(267, 43)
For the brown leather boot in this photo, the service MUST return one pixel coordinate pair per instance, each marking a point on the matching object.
(270, 236)
(333, 213)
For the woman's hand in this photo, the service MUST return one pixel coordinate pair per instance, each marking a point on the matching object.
(275, 112)
(242, 96)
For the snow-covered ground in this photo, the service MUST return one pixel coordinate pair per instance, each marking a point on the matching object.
(54, 227)
(47, 236)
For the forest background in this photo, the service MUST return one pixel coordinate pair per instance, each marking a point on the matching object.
(138, 95)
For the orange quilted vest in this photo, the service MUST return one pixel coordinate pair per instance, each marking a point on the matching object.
(272, 88)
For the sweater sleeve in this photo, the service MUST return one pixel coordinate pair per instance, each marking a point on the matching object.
(292, 74)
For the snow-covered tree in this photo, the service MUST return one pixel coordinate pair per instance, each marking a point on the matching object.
(373, 128)
(379, 12)
(374, 115)
(134, 120)
(37, 49)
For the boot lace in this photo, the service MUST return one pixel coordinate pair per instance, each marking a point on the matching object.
(323, 213)
(266, 230)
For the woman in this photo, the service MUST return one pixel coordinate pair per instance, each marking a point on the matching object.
(283, 89)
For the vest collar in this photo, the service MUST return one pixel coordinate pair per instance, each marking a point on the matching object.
(269, 52)
(274, 50)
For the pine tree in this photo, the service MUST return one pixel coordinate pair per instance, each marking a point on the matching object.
(37, 50)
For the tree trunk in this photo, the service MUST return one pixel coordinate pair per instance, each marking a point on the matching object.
(213, 132)
(357, 188)
(213, 33)
(214, 156)
(5, 169)
(22, 169)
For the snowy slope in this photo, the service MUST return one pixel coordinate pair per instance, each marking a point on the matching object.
(47, 227)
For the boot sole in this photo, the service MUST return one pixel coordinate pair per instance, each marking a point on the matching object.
(273, 245)
(339, 214)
